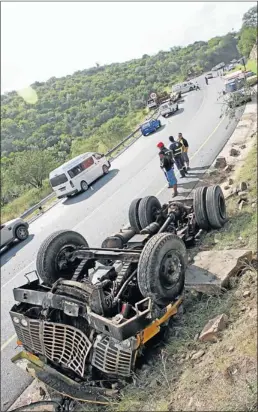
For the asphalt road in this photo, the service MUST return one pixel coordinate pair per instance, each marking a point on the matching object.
(103, 209)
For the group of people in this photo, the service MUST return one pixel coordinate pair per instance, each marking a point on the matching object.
(176, 153)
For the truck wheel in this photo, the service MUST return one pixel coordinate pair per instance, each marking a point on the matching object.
(216, 207)
(134, 215)
(148, 208)
(52, 262)
(84, 186)
(21, 232)
(161, 268)
(200, 210)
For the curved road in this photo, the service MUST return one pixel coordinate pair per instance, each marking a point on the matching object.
(102, 210)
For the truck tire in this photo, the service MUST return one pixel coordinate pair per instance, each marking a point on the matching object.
(147, 210)
(161, 268)
(133, 215)
(21, 232)
(200, 209)
(52, 250)
(216, 207)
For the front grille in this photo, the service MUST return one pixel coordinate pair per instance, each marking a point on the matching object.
(66, 345)
(62, 344)
(30, 335)
(111, 358)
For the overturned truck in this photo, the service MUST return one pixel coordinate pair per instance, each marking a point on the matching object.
(84, 321)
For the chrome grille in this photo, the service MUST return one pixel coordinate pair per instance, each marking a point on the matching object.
(111, 358)
(66, 345)
(30, 335)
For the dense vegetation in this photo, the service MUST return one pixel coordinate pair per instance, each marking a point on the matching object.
(92, 109)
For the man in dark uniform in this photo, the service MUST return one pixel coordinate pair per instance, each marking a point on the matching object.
(166, 164)
(176, 149)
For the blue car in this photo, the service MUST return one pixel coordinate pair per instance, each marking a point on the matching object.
(150, 127)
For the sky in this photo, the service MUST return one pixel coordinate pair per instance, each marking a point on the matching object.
(41, 40)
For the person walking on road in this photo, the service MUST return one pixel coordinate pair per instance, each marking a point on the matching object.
(185, 147)
(166, 164)
(206, 80)
(176, 149)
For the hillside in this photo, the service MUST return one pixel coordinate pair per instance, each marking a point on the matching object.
(93, 109)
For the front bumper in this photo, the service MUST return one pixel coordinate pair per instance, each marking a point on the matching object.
(59, 382)
(73, 192)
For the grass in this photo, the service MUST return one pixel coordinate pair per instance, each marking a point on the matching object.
(24, 202)
(251, 65)
(225, 377)
(241, 229)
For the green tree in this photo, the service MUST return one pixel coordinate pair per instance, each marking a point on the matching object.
(248, 37)
(31, 168)
(250, 17)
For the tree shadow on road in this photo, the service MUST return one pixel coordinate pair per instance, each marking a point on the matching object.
(94, 187)
(10, 251)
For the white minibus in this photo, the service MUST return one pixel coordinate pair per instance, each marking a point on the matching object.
(77, 174)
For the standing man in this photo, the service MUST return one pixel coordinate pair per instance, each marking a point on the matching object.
(176, 149)
(185, 147)
(206, 80)
(166, 164)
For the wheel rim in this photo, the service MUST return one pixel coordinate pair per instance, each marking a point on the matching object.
(22, 232)
(84, 186)
(222, 207)
(61, 261)
(105, 169)
(170, 270)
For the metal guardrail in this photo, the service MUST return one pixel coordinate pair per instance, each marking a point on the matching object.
(108, 155)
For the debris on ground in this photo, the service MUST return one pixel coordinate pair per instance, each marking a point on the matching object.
(234, 152)
(213, 327)
(220, 163)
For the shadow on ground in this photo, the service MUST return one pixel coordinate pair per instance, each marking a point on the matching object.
(94, 187)
(11, 250)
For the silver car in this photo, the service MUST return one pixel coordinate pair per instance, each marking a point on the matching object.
(14, 229)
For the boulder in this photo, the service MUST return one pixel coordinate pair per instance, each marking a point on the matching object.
(220, 163)
(228, 168)
(243, 186)
(212, 328)
(234, 152)
(230, 181)
(198, 354)
(211, 270)
(226, 187)
(243, 146)
(246, 294)
(242, 202)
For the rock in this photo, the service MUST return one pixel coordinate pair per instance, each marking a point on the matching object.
(243, 186)
(226, 187)
(220, 163)
(243, 194)
(198, 354)
(231, 349)
(243, 309)
(230, 181)
(211, 329)
(196, 337)
(242, 202)
(243, 146)
(246, 294)
(212, 269)
(228, 168)
(234, 152)
(254, 205)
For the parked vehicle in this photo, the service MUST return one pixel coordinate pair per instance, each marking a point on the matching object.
(77, 174)
(150, 127)
(174, 97)
(168, 108)
(183, 87)
(209, 75)
(13, 229)
(157, 99)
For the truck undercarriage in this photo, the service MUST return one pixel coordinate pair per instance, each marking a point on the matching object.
(84, 321)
